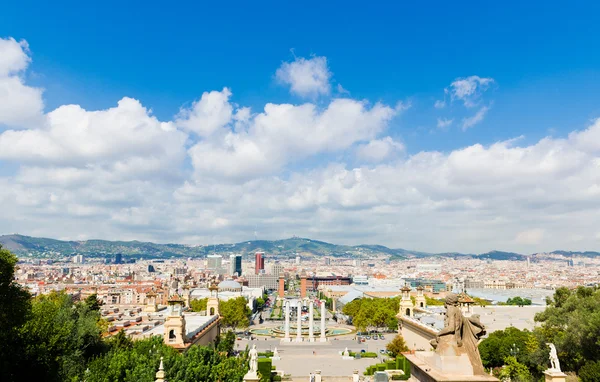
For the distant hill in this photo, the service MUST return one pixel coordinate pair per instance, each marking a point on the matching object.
(24, 245)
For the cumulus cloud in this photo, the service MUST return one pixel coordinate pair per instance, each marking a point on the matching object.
(20, 105)
(306, 77)
(283, 133)
(378, 150)
(475, 119)
(439, 104)
(211, 112)
(218, 171)
(469, 89)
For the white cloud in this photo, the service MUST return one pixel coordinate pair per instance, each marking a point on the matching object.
(306, 77)
(443, 123)
(125, 138)
(439, 104)
(469, 89)
(210, 113)
(284, 133)
(121, 173)
(341, 90)
(475, 119)
(378, 150)
(530, 237)
(20, 105)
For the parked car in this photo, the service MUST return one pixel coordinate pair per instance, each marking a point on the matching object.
(368, 337)
(381, 337)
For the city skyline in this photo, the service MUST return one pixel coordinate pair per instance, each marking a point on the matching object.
(373, 135)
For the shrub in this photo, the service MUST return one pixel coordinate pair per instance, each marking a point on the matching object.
(264, 369)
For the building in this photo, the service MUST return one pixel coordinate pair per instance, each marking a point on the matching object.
(263, 281)
(214, 261)
(327, 261)
(297, 260)
(429, 267)
(435, 286)
(277, 269)
(235, 265)
(259, 262)
(360, 280)
(314, 282)
(78, 259)
(118, 258)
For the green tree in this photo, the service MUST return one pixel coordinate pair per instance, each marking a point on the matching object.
(433, 301)
(93, 303)
(235, 313)
(514, 371)
(572, 322)
(198, 305)
(504, 343)
(61, 337)
(590, 372)
(397, 346)
(15, 308)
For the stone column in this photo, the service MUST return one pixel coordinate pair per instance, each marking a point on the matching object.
(287, 321)
(323, 314)
(299, 322)
(311, 331)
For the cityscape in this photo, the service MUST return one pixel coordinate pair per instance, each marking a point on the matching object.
(299, 191)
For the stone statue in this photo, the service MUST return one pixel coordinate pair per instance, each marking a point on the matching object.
(253, 353)
(460, 334)
(345, 353)
(275, 352)
(554, 363)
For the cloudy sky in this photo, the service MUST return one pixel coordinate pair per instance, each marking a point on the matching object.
(423, 128)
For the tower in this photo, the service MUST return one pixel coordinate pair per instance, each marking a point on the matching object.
(406, 304)
(420, 300)
(281, 289)
(259, 262)
(212, 305)
(303, 285)
(151, 302)
(175, 333)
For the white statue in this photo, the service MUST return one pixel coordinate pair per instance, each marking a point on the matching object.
(554, 363)
(345, 354)
(253, 353)
(275, 352)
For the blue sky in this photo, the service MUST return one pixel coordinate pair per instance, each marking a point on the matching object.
(538, 65)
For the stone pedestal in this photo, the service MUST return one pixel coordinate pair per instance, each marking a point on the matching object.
(427, 366)
(555, 376)
(251, 377)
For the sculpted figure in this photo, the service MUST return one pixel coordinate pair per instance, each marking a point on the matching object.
(460, 332)
(253, 353)
(554, 363)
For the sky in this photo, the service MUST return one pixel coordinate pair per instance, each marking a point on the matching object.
(435, 127)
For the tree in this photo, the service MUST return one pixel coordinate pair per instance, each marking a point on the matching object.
(235, 313)
(61, 337)
(514, 371)
(198, 305)
(572, 323)
(93, 303)
(433, 301)
(397, 346)
(15, 308)
(590, 372)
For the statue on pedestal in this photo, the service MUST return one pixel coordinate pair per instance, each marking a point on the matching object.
(460, 334)
(253, 354)
(554, 363)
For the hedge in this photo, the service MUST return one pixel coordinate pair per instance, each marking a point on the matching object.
(264, 369)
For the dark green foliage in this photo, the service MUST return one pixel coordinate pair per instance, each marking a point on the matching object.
(264, 369)
(15, 308)
(590, 372)
(572, 323)
(519, 301)
(93, 303)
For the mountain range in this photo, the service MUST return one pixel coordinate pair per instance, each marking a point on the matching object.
(26, 245)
